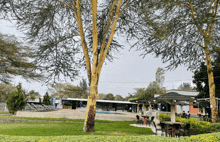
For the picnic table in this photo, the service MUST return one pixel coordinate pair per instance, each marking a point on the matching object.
(145, 116)
(172, 125)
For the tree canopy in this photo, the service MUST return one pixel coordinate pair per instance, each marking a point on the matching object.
(32, 95)
(15, 60)
(67, 90)
(184, 33)
(71, 34)
(185, 86)
(155, 87)
(200, 78)
(109, 96)
(5, 91)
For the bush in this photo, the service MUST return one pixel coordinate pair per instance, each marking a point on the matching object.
(16, 101)
(197, 127)
(164, 117)
(46, 100)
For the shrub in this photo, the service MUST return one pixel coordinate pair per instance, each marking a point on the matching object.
(164, 117)
(16, 101)
(46, 99)
(197, 127)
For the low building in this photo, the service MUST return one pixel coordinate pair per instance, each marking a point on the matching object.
(106, 105)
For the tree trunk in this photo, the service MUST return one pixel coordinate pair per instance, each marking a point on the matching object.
(211, 84)
(91, 109)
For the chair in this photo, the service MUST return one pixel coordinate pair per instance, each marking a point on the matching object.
(157, 128)
(167, 130)
(151, 120)
(139, 121)
(186, 129)
(176, 129)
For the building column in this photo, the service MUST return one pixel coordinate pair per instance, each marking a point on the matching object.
(203, 110)
(138, 108)
(144, 109)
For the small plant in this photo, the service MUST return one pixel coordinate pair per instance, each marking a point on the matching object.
(16, 101)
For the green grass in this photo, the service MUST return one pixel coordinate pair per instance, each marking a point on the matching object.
(4, 112)
(214, 137)
(59, 129)
(49, 119)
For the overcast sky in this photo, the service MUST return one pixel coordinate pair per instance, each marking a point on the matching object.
(121, 76)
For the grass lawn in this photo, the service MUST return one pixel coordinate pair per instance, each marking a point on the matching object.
(59, 129)
(111, 131)
(213, 137)
(4, 112)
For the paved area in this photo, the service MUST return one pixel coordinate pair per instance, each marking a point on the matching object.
(79, 114)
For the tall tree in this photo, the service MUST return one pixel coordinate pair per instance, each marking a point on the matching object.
(15, 59)
(61, 27)
(200, 78)
(154, 88)
(160, 76)
(83, 85)
(185, 86)
(184, 32)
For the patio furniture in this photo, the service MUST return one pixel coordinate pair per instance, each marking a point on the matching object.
(139, 121)
(186, 129)
(172, 124)
(167, 130)
(145, 116)
(160, 129)
(176, 130)
(151, 120)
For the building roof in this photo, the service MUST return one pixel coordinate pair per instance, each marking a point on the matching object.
(174, 96)
(101, 101)
(191, 93)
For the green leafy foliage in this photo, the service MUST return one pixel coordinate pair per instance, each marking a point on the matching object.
(154, 87)
(200, 78)
(83, 85)
(5, 91)
(32, 95)
(109, 96)
(119, 98)
(67, 90)
(46, 99)
(185, 86)
(14, 59)
(16, 101)
(196, 127)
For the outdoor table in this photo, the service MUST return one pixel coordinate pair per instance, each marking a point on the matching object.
(145, 116)
(172, 124)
